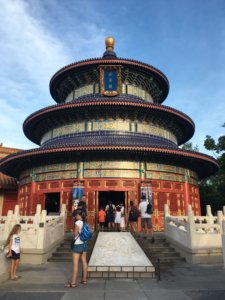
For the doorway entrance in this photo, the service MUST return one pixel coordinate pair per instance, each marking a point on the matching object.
(117, 198)
(52, 203)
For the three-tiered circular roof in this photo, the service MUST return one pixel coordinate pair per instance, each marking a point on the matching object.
(107, 144)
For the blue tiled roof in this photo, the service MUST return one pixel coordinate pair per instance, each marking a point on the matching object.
(119, 98)
(109, 138)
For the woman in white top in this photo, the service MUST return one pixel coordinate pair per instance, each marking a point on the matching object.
(122, 218)
(117, 218)
(79, 251)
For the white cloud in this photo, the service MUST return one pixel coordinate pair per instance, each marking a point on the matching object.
(31, 53)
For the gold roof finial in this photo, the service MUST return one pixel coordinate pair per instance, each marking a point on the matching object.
(109, 42)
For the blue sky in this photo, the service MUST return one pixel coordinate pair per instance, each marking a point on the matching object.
(185, 39)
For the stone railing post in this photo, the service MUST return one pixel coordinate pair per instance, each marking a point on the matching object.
(208, 210)
(220, 219)
(43, 216)
(190, 227)
(16, 215)
(209, 214)
(41, 230)
(223, 228)
(166, 214)
(37, 216)
(38, 209)
(8, 224)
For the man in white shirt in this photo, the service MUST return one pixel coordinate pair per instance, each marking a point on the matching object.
(145, 217)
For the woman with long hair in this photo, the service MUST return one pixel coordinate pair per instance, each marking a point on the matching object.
(13, 243)
(79, 251)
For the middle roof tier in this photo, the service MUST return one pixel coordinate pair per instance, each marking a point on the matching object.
(128, 114)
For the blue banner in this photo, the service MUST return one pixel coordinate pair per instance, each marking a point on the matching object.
(77, 192)
(110, 80)
(146, 191)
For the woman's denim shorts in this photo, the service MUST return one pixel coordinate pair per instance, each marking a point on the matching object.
(79, 248)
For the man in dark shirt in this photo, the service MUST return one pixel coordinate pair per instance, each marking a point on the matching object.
(82, 205)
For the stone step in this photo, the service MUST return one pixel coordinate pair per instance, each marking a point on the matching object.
(160, 249)
(62, 259)
(62, 254)
(165, 260)
(64, 248)
(164, 254)
(155, 244)
(66, 243)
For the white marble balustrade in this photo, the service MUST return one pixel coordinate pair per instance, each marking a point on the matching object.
(196, 235)
(39, 233)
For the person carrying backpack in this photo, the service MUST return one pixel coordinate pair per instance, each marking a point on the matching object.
(133, 217)
(146, 211)
(79, 248)
(110, 215)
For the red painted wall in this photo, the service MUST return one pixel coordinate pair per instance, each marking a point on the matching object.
(172, 193)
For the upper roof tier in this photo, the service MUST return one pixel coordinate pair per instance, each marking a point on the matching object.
(87, 72)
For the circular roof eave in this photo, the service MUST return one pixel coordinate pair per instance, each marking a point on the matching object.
(35, 119)
(203, 164)
(64, 72)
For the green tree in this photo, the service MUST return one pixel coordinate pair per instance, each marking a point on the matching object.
(212, 190)
(190, 146)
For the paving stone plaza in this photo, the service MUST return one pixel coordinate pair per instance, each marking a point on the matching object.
(183, 282)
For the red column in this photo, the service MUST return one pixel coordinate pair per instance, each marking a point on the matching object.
(32, 192)
(186, 196)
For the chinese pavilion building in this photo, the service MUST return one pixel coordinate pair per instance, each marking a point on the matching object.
(110, 134)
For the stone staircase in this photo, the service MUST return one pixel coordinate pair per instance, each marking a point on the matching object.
(160, 253)
(63, 252)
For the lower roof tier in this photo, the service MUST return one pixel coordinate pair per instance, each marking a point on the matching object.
(87, 108)
(202, 164)
(108, 138)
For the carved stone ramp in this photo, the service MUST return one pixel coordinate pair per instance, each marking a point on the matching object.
(118, 255)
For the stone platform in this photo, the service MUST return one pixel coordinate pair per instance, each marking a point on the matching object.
(118, 255)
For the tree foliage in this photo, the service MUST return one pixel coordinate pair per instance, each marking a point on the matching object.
(212, 190)
(190, 146)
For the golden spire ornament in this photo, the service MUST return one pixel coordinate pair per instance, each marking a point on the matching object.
(109, 43)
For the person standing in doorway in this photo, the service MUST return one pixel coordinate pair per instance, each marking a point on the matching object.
(146, 222)
(110, 215)
(101, 219)
(122, 217)
(133, 217)
(117, 218)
